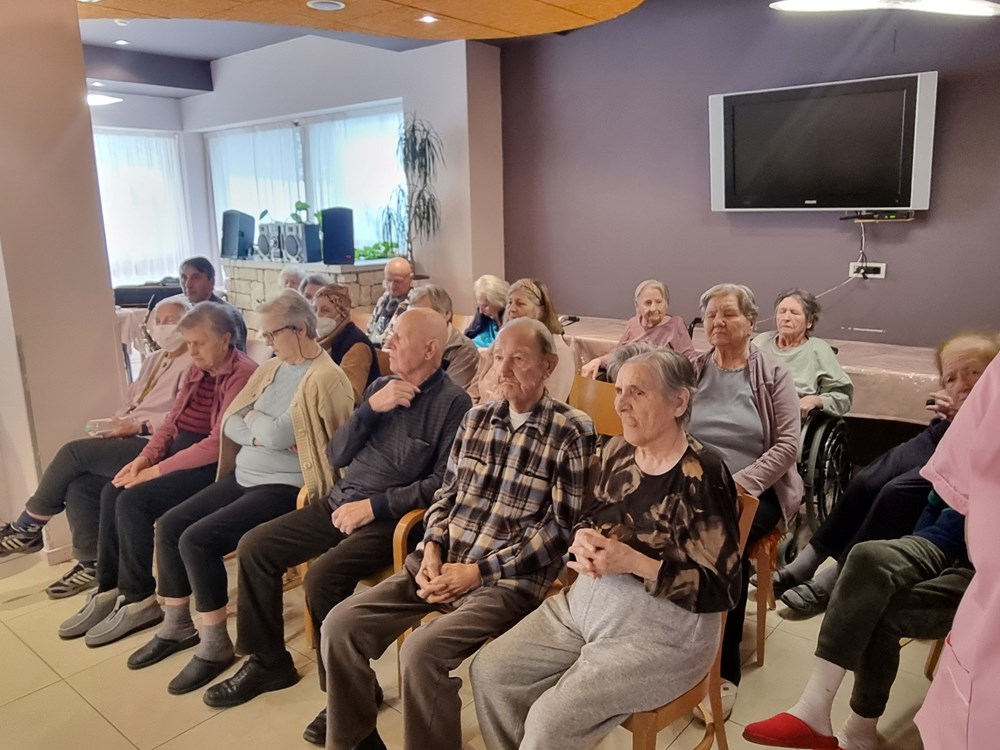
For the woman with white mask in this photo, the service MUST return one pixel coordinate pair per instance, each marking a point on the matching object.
(73, 481)
(347, 344)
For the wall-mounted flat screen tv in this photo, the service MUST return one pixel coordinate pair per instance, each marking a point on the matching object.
(846, 146)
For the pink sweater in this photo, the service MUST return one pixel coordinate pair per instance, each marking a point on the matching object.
(169, 373)
(230, 379)
(671, 333)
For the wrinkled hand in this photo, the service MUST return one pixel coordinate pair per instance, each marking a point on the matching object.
(122, 428)
(942, 405)
(808, 403)
(591, 369)
(398, 393)
(430, 566)
(456, 580)
(597, 556)
(130, 471)
(350, 517)
(153, 472)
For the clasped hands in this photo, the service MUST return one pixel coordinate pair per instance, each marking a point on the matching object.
(598, 556)
(135, 472)
(439, 583)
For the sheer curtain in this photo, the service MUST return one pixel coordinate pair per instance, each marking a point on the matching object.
(142, 200)
(350, 160)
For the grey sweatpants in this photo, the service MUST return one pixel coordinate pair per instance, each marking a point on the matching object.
(576, 667)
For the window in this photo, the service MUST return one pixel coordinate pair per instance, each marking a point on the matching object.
(142, 200)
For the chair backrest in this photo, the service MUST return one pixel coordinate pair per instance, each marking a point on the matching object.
(361, 319)
(597, 399)
(383, 362)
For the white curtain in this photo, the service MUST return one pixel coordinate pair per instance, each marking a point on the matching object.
(350, 160)
(256, 169)
(142, 199)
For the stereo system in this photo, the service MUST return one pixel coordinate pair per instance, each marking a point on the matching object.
(331, 241)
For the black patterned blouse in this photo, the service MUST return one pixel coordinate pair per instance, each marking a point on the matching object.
(686, 517)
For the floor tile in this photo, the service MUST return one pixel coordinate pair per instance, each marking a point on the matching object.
(23, 671)
(22, 584)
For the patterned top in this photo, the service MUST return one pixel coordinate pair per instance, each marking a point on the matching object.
(387, 309)
(511, 497)
(687, 518)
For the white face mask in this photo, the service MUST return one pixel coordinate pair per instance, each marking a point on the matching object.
(167, 337)
(326, 326)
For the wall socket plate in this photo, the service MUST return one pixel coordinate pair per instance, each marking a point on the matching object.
(872, 270)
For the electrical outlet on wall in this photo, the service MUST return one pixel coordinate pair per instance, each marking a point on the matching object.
(866, 270)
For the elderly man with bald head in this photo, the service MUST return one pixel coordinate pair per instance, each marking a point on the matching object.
(398, 283)
(393, 452)
(494, 543)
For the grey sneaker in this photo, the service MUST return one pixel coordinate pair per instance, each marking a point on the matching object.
(98, 606)
(79, 578)
(125, 619)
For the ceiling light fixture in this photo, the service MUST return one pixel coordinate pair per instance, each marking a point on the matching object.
(121, 43)
(980, 8)
(325, 4)
(88, 1)
(97, 85)
(428, 18)
(99, 100)
(121, 22)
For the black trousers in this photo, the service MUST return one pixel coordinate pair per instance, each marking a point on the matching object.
(125, 547)
(73, 482)
(884, 500)
(193, 538)
(264, 555)
(765, 519)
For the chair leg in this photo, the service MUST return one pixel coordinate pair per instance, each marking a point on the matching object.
(930, 667)
(643, 734)
(309, 630)
(765, 592)
(718, 723)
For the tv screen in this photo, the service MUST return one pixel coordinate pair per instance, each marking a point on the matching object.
(853, 145)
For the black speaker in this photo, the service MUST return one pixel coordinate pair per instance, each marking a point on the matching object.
(338, 236)
(237, 234)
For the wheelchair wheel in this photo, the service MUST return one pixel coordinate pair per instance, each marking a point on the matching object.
(828, 468)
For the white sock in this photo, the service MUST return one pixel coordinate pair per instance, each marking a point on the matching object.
(816, 702)
(858, 733)
(804, 566)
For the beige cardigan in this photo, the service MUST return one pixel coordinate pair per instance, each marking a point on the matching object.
(323, 401)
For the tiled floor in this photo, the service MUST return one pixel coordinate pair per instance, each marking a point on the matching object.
(56, 694)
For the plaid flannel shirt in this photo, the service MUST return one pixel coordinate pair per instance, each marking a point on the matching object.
(511, 498)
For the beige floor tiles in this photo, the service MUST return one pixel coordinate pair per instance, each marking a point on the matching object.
(22, 584)
(56, 717)
(23, 671)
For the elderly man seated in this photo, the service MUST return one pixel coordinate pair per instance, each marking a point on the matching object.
(494, 542)
(198, 284)
(398, 283)
(461, 357)
(395, 449)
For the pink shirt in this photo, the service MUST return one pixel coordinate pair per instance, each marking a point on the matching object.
(960, 712)
(671, 333)
(153, 392)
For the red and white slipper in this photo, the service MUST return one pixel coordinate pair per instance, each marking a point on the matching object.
(785, 730)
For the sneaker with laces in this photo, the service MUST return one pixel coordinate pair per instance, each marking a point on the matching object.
(77, 579)
(14, 542)
(729, 691)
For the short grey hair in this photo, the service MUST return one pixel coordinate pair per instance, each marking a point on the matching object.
(546, 340)
(177, 300)
(810, 305)
(493, 288)
(318, 279)
(293, 310)
(439, 298)
(218, 316)
(289, 271)
(744, 298)
(659, 285)
(673, 372)
(623, 354)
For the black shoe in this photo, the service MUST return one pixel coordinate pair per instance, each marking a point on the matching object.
(198, 673)
(372, 742)
(79, 578)
(252, 679)
(159, 649)
(315, 733)
(14, 542)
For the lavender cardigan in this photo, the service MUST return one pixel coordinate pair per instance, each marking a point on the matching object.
(671, 333)
(778, 404)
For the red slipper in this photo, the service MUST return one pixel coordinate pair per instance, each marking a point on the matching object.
(785, 730)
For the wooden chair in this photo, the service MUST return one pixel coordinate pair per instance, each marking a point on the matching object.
(646, 725)
(764, 555)
(596, 399)
(361, 319)
(383, 362)
(933, 657)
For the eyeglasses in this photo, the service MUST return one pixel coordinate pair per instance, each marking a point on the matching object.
(268, 336)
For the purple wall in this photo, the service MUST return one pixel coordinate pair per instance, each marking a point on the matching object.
(605, 136)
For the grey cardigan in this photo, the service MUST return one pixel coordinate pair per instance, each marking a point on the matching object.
(778, 404)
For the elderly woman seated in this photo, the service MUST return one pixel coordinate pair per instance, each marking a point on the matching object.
(491, 299)
(275, 435)
(461, 357)
(658, 557)
(746, 408)
(820, 381)
(312, 284)
(651, 323)
(73, 480)
(529, 298)
(291, 276)
(885, 499)
(179, 459)
(347, 344)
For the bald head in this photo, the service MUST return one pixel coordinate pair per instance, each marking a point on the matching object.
(417, 344)
(398, 277)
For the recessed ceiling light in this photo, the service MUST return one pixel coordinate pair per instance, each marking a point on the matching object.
(89, 1)
(97, 85)
(121, 22)
(948, 7)
(99, 100)
(427, 19)
(325, 4)
(121, 42)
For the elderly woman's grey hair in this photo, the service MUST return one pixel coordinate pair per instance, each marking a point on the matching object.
(623, 354)
(318, 279)
(291, 271)
(438, 296)
(674, 372)
(744, 298)
(493, 288)
(177, 300)
(656, 285)
(546, 341)
(218, 316)
(810, 305)
(293, 310)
